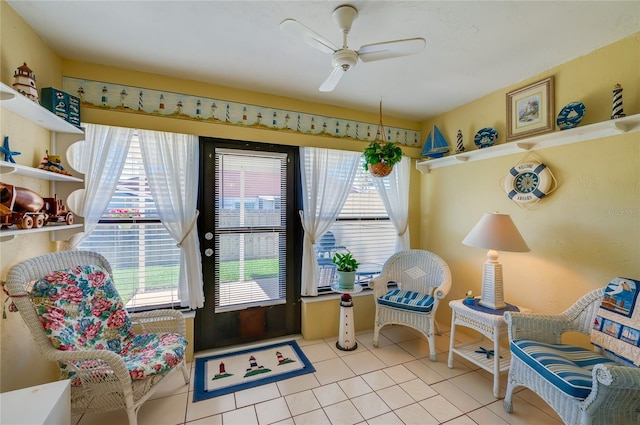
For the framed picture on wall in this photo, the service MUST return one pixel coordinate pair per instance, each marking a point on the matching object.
(530, 110)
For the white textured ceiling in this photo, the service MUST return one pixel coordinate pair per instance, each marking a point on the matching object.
(473, 47)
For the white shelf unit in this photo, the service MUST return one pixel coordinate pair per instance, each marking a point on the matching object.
(468, 351)
(628, 124)
(21, 170)
(11, 233)
(30, 110)
(15, 102)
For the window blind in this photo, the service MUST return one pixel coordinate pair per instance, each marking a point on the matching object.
(144, 257)
(250, 228)
(363, 226)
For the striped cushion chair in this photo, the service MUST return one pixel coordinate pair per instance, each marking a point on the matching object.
(583, 386)
(423, 279)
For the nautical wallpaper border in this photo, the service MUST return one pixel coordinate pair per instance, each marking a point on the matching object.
(139, 100)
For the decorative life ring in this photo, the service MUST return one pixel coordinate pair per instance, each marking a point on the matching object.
(528, 182)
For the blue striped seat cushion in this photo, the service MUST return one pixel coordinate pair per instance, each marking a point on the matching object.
(565, 366)
(407, 300)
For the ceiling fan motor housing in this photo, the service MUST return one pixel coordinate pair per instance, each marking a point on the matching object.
(344, 58)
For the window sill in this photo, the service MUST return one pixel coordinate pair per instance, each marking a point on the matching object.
(190, 314)
(334, 296)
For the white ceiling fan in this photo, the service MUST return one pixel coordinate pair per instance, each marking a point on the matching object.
(343, 59)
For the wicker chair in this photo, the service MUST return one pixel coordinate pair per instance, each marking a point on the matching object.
(423, 279)
(610, 390)
(110, 365)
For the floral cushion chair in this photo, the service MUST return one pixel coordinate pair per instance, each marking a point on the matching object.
(93, 338)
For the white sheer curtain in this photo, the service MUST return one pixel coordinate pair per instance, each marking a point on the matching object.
(327, 176)
(103, 155)
(395, 197)
(171, 164)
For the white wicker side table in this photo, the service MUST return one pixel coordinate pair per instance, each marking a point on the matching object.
(491, 325)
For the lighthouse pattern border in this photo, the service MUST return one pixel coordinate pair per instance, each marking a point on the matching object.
(124, 98)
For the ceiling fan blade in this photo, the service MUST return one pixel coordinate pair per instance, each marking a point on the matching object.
(332, 80)
(391, 49)
(312, 38)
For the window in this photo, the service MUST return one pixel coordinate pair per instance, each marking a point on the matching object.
(144, 257)
(362, 227)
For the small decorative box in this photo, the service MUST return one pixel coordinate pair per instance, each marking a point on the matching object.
(62, 104)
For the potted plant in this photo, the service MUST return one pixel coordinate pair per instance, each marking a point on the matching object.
(380, 157)
(346, 266)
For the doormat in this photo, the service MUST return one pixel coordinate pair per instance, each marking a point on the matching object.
(230, 372)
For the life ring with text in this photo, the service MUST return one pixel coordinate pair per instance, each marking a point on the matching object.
(528, 182)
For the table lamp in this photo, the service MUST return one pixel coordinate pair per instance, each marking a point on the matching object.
(495, 232)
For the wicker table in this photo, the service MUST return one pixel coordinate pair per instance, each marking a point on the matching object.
(491, 325)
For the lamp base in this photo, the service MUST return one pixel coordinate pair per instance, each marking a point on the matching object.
(492, 293)
(492, 306)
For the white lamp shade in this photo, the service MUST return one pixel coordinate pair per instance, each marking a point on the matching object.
(497, 232)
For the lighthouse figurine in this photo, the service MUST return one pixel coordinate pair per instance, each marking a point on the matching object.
(459, 144)
(617, 111)
(25, 82)
(347, 339)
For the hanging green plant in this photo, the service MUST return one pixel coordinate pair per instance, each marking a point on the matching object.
(380, 157)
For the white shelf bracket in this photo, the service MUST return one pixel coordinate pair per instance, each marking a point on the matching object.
(620, 127)
(525, 146)
(5, 95)
(7, 168)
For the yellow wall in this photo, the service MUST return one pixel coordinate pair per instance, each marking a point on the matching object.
(584, 233)
(321, 316)
(21, 365)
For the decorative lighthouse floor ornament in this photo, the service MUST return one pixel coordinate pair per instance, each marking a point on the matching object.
(617, 111)
(347, 339)
(25, 82)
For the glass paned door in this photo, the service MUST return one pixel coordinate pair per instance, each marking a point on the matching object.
(248, 229)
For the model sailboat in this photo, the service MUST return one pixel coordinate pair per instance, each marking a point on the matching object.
(436, 145)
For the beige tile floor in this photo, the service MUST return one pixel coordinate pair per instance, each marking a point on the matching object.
(395, 383)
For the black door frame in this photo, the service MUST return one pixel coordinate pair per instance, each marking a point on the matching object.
(278, 321)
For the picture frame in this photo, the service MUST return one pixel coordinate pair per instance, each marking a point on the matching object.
(530, 110)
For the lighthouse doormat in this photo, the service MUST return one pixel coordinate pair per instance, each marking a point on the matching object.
(226, 373)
